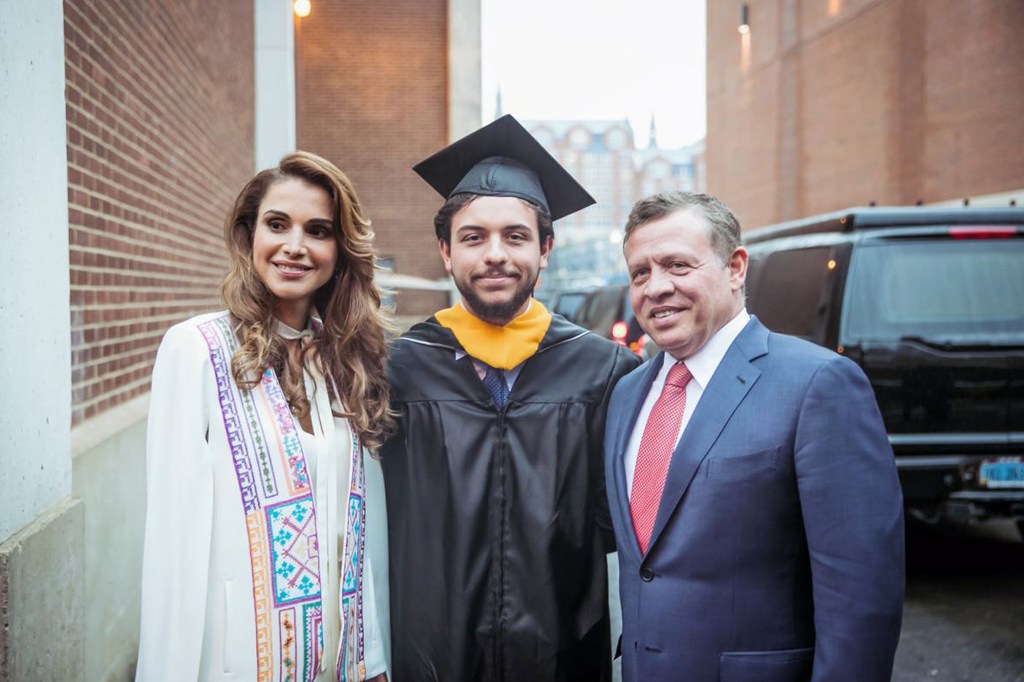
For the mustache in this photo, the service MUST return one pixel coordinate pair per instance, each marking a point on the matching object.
(496, 272)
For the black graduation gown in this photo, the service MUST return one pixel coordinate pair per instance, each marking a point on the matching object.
(498, 520)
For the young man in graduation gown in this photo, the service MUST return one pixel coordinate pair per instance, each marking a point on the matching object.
(498, 519)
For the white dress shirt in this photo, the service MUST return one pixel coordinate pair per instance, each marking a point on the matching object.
(702, 366)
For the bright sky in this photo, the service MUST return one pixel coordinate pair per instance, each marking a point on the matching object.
(599, 59)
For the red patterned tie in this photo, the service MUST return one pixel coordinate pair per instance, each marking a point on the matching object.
(655, 452)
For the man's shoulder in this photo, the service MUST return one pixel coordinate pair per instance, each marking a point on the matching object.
(581, 349)
(635, 378)
(799, 357)
(756, 340)
(423, 364)
(799, 350)
(423, 335)
(572, 338)
(798, 347)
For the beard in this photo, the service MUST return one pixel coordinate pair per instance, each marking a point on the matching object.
(498, 313)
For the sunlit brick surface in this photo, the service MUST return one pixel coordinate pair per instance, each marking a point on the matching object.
(372, 96)
(830, 104)
(160, 134)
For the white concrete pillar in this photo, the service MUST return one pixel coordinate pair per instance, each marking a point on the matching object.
(464, 71)
(35, 324)
(41, 526)
(275, 81)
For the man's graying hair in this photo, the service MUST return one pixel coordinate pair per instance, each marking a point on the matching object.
(723, 228)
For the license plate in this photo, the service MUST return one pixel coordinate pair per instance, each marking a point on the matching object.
(1007, 472)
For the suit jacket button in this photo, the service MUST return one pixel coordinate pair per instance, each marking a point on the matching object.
(647, 575)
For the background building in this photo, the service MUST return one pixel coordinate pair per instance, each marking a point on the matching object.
(665, 170)
(381, 86)
(603, 157)
(126, 130)
(824, 105)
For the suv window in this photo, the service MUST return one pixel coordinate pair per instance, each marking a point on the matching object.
(603, 308)
(567, 303)
(795, 290)
(941, 290)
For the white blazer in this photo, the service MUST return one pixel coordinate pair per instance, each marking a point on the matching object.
(199, 598)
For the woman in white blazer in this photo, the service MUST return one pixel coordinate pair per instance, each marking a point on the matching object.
(266, 548)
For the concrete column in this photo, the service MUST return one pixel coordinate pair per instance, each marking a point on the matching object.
(35, 324)
(42, 596)
(40, 525)
(464, 74)
(275, 81)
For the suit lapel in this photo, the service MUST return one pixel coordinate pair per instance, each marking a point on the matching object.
(728, 387)
(634, 401)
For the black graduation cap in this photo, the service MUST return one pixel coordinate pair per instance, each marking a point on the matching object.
(503, 159)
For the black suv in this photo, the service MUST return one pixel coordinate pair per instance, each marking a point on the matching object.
(566, 302)
(607, 311)
(930, 303)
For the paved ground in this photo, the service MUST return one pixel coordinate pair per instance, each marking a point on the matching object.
(964, 613)
(963, 618)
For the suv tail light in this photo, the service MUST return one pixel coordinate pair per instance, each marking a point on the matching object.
(638, 345)
(983, 231)
(619, 331)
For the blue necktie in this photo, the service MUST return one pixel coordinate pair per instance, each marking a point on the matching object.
(495, 383)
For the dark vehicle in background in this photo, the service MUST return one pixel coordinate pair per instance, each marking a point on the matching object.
(566, 302)
(607, 311)
(930, 303)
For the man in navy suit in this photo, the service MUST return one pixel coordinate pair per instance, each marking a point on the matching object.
(754, 495)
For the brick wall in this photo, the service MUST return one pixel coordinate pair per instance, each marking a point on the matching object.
(372, 96)
(826, 105)
(160, 134)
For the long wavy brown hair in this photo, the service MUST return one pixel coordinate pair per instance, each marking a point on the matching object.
(351, 348)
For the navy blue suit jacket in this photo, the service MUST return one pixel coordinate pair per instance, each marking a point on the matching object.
(777, 554)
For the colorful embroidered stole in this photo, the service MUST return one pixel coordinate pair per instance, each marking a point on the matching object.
(351, 667)
(280, 516)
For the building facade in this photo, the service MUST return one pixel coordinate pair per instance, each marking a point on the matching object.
(824, 105)
(381, 86)
(602, 155)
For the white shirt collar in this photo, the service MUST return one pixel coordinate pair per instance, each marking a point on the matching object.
(313, 323)
(703, 363)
